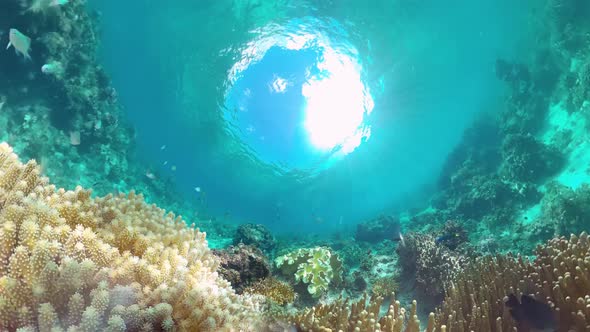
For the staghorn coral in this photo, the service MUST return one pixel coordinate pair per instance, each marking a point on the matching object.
(275, 290)
(72, 262)
(316, 267)
(360, 316)
(559, 276)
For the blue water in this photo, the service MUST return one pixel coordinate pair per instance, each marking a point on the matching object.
(429, 67)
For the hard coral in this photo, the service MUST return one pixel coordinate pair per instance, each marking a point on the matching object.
(242, 266)
(528, 160)
(72, 262)
(256, 235)
(360, 316)
(385, 286)
(275, 290)
(315, 267)
(559, 276)
(433, 266)
(564, 210)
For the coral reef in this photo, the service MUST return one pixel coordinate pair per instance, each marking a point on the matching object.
(378, 229)
(273, 289)
(61, 109)
(433, 266)
(72, 262)
(452, 235)
(564, 210)
(242, 266)
(559, 276)
(316, 267)
(525, 159)
(256, 235)
(385, 286)
(363, 316)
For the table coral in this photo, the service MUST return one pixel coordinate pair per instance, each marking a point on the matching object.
(72, 262)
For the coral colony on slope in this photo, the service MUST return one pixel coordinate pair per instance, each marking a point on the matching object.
(500, 246)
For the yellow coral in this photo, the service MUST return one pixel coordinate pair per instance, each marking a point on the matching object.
(316, 267)
(72, 262)
(360, 316)
(273, 289)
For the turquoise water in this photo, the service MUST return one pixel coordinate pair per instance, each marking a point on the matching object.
(330, 150)
(427, 67)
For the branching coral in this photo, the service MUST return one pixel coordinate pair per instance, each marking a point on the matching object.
(69, 261)
(361, 316)
(559, 276)
(316, 267)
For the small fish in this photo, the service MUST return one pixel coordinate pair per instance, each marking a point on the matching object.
(165, 163)
(163, 147)
(198, 189)
(2, 102)
(445, 237)
(20, 42)
(40, 6)
(173, 168)
(530, 314)
(150, 175)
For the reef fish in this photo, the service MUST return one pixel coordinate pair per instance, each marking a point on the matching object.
(20, 42)
(396, 230)
(530, 314)
(40, 6)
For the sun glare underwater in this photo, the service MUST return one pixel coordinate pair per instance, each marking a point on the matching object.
(296, 96)
(295, 165)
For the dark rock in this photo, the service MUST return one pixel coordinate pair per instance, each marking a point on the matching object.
(242, 265)
(378, 229)
(256, 235)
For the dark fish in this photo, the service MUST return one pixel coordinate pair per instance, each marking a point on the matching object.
(445, 237)
(530, 314)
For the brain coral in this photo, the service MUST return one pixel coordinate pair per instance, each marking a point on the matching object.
(72, 262)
